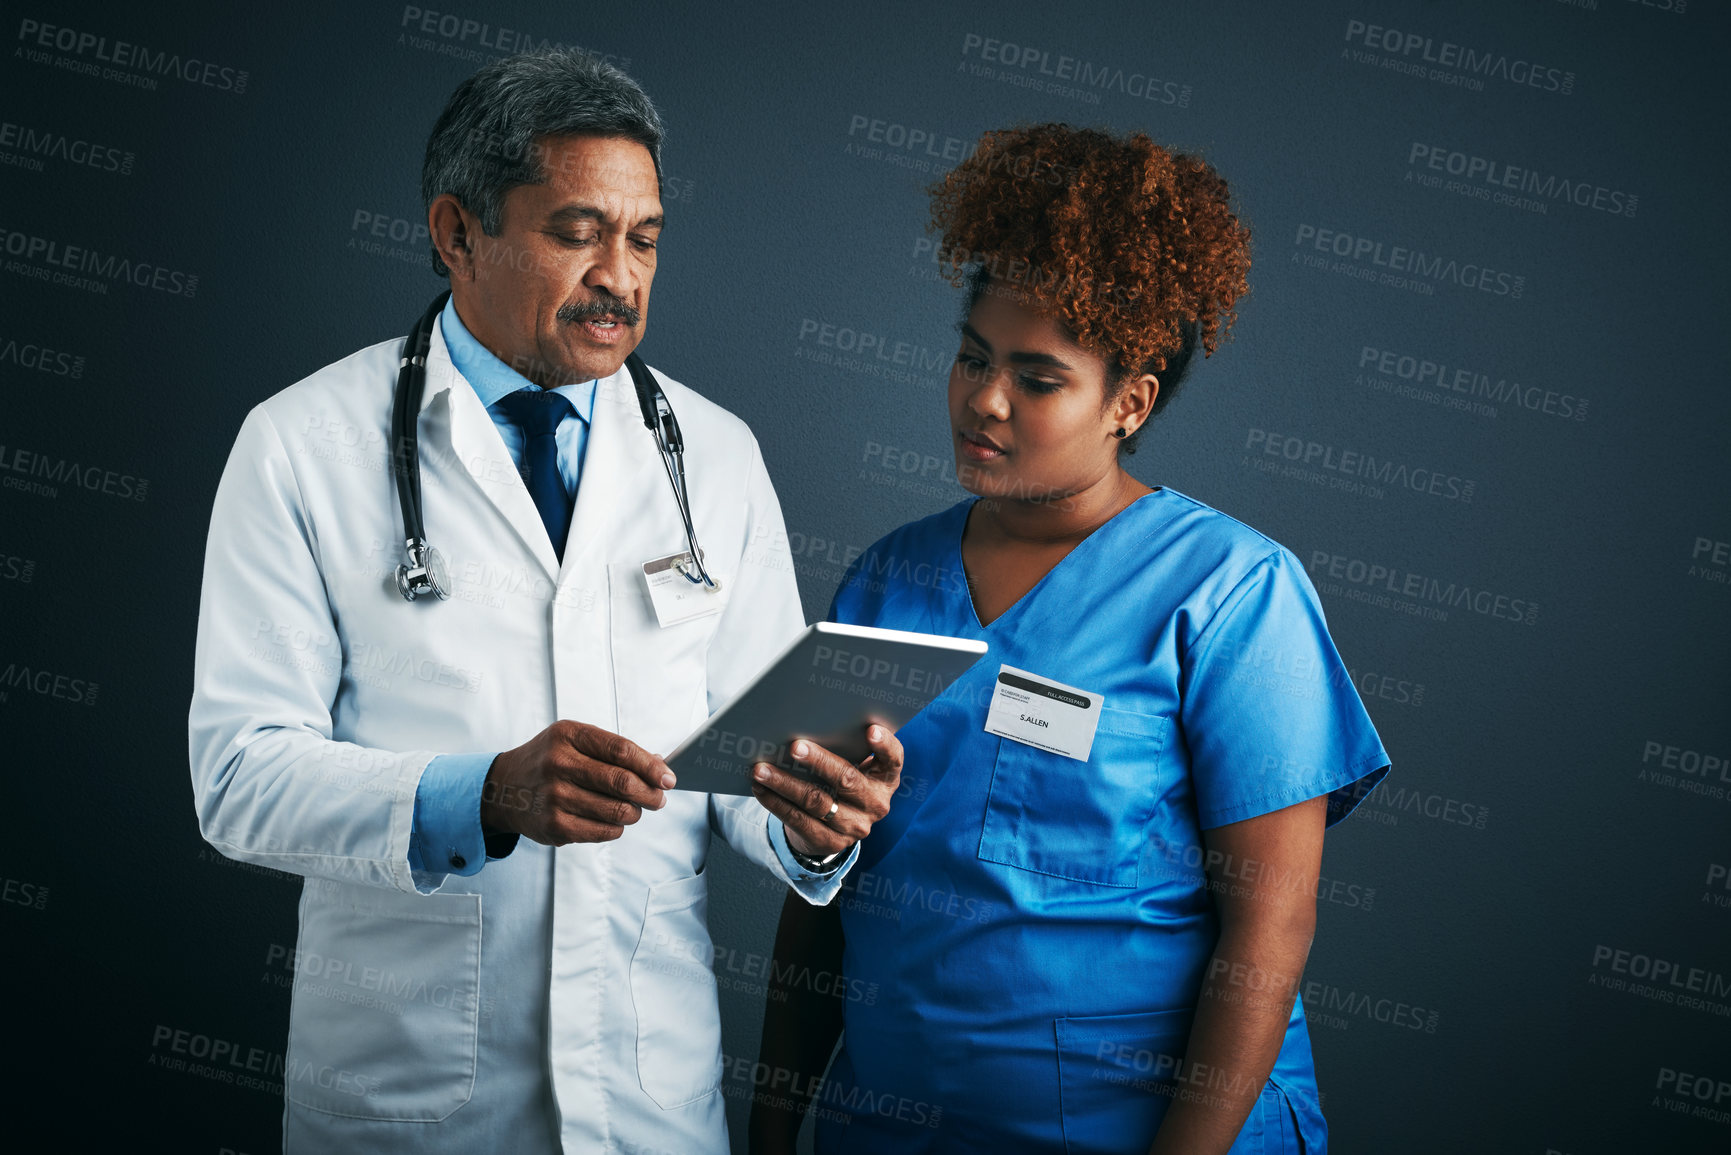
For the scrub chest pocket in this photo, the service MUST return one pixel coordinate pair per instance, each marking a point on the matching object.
(1086, 821)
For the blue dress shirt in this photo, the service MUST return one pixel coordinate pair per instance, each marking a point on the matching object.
(447, 822)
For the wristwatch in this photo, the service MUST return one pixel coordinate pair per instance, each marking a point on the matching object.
(817, 865)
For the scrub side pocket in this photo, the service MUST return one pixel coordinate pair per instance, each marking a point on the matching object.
(673, 992)
(1117, 1077)
(386, 1008)
(1086, 821)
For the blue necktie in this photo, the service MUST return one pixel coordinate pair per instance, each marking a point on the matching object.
(537, 413)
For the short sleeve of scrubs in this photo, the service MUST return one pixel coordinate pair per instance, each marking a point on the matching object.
(1269, 712)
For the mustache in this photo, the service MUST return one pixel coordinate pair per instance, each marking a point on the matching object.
(603, 304)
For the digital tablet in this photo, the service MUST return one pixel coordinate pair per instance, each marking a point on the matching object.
(828, 685)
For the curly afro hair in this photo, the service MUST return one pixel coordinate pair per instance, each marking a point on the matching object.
(1131, 248)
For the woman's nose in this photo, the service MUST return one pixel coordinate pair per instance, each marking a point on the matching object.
(989, 397)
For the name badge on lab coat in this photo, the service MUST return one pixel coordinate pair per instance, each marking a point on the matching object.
(1044, 714)
(677, 598)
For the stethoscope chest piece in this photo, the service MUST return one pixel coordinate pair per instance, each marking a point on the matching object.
(424, 573)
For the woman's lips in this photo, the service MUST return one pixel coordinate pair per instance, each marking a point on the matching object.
(977, 446)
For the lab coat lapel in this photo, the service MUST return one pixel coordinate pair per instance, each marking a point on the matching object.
(481, 453)
(615, 472)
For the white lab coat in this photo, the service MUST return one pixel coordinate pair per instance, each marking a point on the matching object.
(559, 996)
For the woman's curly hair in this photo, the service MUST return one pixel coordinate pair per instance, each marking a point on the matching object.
(1131, 248)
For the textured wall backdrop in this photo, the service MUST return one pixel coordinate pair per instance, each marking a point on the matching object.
(1478, 387)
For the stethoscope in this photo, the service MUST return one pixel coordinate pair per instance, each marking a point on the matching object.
(424, 571)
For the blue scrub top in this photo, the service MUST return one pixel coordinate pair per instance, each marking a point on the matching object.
(1027, 933)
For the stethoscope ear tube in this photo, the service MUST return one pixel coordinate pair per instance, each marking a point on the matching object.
(422, 572)
(658, 418)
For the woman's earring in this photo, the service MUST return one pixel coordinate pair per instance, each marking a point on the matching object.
(1120, 433)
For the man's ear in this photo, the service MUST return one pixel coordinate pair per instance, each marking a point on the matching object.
(451, 226)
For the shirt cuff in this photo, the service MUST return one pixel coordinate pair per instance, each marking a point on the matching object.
(795, 870)
(447, 836)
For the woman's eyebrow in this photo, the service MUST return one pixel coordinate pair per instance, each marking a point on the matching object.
(1045, 359)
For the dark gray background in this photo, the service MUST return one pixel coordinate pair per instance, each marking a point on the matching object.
(1501, 929)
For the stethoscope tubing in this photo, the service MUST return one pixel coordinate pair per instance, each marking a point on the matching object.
(418, 576)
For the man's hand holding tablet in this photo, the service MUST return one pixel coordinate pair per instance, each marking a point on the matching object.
(836, 806)
(793, 737)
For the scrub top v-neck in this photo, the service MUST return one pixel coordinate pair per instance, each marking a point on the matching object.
(980, 623)
(1027, 932)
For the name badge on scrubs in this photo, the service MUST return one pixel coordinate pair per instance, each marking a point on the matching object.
(676, 597)
(1044, 714)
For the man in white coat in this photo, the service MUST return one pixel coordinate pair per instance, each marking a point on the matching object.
(458, 989)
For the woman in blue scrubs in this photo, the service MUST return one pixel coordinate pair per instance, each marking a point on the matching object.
(1082, 925)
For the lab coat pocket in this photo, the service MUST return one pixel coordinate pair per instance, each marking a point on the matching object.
(1117, 1076)
(386, 1003)
(673, 993)
(1085, 821)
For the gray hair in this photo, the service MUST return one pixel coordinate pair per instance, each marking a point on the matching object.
(484, 143)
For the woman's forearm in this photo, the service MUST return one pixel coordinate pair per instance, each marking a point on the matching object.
(1235, 1038)
(800, 1025)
